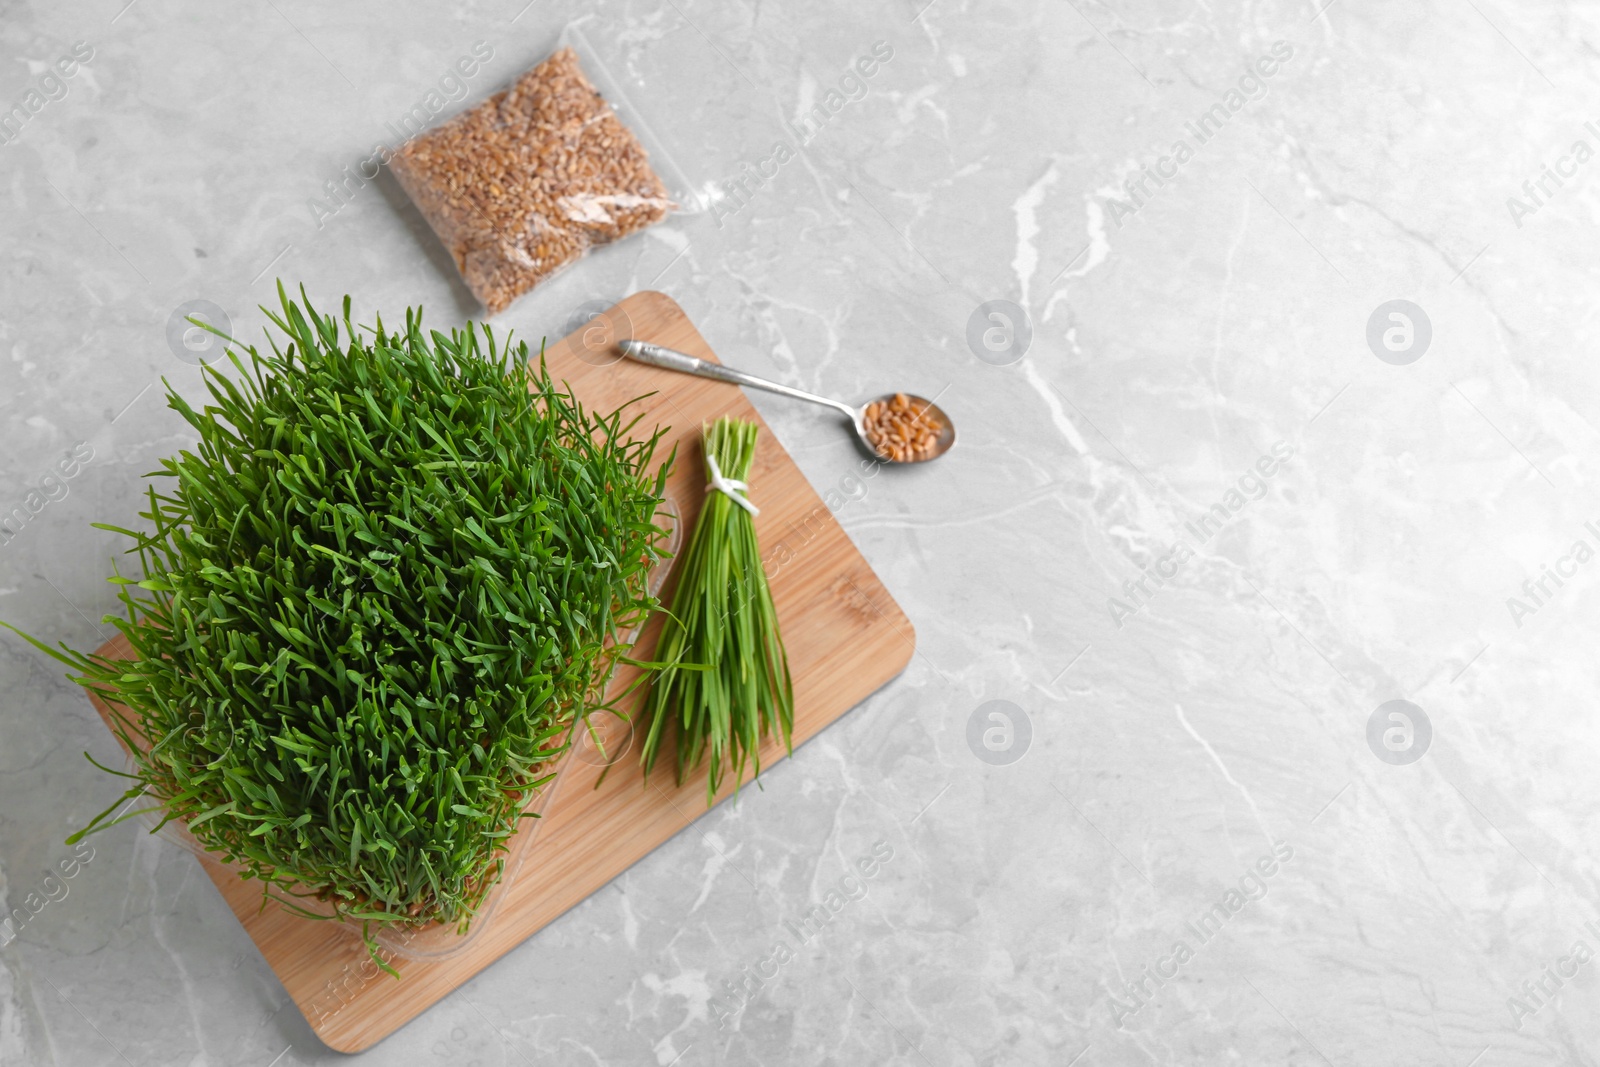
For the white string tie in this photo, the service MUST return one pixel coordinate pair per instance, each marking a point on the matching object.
(732, 487)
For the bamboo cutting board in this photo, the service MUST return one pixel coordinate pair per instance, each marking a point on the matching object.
(845, 636)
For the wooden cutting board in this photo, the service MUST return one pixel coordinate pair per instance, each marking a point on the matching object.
(846, 637)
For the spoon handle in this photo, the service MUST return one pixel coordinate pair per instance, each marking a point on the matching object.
(657, 356)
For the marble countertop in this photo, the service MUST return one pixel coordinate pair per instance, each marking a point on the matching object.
(1282, 418)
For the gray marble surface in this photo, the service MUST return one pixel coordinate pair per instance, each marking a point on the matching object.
(1213, 742)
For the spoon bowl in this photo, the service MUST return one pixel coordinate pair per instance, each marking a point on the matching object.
(925, 421)
(928, 432)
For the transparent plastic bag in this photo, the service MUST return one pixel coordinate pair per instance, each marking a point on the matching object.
(529, 180)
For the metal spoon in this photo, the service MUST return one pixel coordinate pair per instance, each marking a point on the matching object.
(657, 356)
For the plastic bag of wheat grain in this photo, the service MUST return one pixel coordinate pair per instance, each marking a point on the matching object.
(529, 180)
